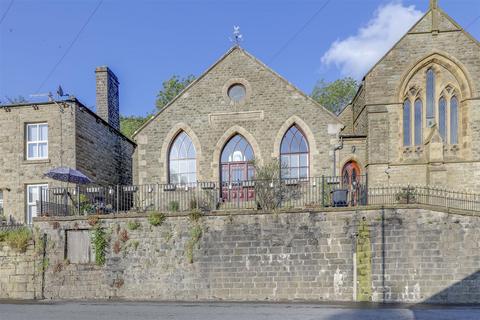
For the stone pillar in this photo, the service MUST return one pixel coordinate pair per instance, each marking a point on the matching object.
(107, 96)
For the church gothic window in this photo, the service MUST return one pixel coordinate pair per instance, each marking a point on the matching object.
(424, 108)
(182, 160)
(294, 154)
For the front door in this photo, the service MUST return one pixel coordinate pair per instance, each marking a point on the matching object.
(351, 180)
(235, 185)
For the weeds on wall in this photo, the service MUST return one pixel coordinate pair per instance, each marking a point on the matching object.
(195, 215)
(99, 241)
(17, 239)
(195, 235)
(123, 235)
(173, 206)
(93, 220)
(156, 218)
(133, 225)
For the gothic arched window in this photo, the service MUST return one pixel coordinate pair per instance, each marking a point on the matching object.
(236, 160)
(182, 160)
(430, 97)
(418, 122)
(407, 123)
(294, 154)
(442, 118)
(454, 120)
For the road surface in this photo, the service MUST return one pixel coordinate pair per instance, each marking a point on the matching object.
(227, 311)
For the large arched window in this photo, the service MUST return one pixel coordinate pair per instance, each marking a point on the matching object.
(406, 124)
(236, 159)
(418, 122)
(294, 155)
(454, 120)
(182, 160)
(430, 97)
(442, 118)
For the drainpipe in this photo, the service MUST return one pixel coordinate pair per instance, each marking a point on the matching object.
(337, 147)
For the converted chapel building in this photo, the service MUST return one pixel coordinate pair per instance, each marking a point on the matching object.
(414, 119)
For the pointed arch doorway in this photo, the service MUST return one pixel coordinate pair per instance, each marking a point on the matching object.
(353, 182)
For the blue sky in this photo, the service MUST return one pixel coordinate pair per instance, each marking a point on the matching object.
(145, 42)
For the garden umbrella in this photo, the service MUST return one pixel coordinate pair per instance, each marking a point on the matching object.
(68, 175)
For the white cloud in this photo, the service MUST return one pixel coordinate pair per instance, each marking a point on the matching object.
(355, 55)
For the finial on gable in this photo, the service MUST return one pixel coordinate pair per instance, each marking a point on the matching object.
(433, 4)
(434, 7)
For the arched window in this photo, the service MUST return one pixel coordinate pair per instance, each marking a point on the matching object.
(442, 118)
(294, 154)
(454, 120)
(406, 124)
(418, 122)
(430, 97)
(182, 160)
(236, 159)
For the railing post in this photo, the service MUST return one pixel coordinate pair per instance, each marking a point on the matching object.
(366, 188)
(323, 191)
(78, 200)
(41, 202)
(408, 193)
(118, 197)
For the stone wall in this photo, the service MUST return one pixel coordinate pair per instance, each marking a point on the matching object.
(395, 255)
(102, 152)
(17, 273)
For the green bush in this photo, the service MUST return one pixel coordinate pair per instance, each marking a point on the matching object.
(156, 219)
(99, 240)
(17, 239)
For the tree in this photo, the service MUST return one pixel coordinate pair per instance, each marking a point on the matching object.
(171, 88)
(335, 95)
(128, 125)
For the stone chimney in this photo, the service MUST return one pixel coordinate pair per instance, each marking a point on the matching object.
(107, 96)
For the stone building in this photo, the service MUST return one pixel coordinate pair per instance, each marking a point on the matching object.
(36, 137)
(415, 115)
(413, 119)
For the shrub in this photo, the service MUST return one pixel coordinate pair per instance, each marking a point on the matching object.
(195, 235)
(156, 218)
(99, 243)
(17, 239)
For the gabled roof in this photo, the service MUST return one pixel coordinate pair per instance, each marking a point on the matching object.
(426, 22)
(222, 58)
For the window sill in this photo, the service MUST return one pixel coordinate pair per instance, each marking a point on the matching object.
(39, 161)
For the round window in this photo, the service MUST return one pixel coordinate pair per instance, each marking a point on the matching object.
(237, 92)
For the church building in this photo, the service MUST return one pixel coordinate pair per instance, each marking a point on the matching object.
(414, 120)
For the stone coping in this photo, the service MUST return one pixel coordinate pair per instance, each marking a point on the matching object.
(240, 212)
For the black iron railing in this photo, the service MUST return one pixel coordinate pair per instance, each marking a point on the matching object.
(253, 194)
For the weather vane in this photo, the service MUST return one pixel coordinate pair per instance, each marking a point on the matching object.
(237, 36)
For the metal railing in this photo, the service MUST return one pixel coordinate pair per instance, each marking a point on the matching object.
(252, 194)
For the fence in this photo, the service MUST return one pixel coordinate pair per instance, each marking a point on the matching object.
(252, 194)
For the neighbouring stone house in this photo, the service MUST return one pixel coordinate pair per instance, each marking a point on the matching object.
(36, 137)
(413, 119)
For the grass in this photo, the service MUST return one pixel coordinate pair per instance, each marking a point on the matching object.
(17, 239)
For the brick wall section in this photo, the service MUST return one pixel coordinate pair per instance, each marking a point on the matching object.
(101, 151)
(17, 270)
(417, 255)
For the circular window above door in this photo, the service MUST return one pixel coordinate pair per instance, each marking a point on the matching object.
(237, 92)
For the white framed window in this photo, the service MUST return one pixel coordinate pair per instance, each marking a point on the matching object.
(34, 191)
(37, 141)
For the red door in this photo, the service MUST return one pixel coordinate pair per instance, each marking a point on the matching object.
(236, 177)
(351, 180)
